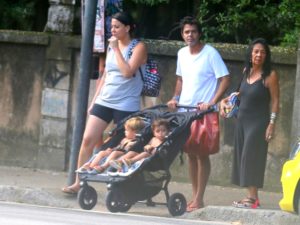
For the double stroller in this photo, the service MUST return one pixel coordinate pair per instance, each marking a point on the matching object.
(153, 175)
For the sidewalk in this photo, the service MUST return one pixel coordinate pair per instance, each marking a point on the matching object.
(44, 188)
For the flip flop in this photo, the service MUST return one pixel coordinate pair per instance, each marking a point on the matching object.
(97, 170)
(192, 208)
(247, 203)
(69, 190)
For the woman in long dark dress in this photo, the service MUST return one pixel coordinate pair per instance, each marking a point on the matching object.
(259, 104)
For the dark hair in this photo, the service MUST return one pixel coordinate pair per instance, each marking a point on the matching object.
(160, 122)
(190, 21)
(126, 19)
(267, 63)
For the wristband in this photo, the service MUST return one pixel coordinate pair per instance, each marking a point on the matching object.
(273, 117)
(176, 97)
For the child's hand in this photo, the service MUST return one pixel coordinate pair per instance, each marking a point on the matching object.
(148, 148)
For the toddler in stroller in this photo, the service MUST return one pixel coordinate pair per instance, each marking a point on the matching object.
(129, 162)
(153, 175)
(132, 127)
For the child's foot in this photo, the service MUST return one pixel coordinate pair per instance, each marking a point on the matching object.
(115, 164)
(97, 170)
(84, 168)
(127, 162)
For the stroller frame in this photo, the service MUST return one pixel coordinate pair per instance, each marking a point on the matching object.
(122, 192)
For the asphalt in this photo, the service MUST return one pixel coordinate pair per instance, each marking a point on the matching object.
(39, 187)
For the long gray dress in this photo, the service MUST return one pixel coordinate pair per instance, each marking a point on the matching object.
(250, 146)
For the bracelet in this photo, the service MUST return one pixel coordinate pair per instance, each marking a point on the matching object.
(273, 117)
(176, 97)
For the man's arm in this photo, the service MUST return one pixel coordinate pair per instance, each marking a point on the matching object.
(224, 83)
(175, 99)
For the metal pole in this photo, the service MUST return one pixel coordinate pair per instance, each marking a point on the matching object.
(83, 84)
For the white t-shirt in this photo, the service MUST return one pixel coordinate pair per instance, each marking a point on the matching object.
(199, 74)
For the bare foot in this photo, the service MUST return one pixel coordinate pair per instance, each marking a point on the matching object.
(189, 203)
(194, 206)
(73, 189)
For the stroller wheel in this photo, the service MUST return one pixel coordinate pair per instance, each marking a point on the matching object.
(113, 203)
(124, 207)
(87, 197)
(177, 204)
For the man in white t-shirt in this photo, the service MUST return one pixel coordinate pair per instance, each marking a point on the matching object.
(202, 79)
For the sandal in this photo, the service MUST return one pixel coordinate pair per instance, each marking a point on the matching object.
(97, 170)
(84, 168)
(69, 190)
(115, 164)
(247, 203)
(127, 162)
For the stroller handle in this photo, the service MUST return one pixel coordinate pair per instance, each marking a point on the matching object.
(210, 109)
(199, 113)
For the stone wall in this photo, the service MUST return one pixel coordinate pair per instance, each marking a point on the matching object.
(38, 83)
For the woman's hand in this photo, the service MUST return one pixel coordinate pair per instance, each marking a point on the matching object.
(113, 42)
(270, 132)
(224, 107)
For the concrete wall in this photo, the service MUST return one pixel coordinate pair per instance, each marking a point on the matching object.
(38, 83)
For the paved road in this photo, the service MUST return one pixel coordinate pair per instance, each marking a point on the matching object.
(23, 214)
(43, 188)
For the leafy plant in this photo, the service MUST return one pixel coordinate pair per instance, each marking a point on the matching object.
(151, 2)
(17, 14)
(231, 21)
(239, 21)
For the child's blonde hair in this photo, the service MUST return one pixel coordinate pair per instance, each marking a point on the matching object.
(135, 124)
(160, 122)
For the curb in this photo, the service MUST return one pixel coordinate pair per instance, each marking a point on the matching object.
(244, 216)
(31, 196)
(235, 216)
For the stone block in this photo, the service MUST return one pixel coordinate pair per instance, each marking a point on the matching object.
(51, 159)
(58, 75)
(53, 133)
(60, 18)
(55, 103)
(59, 48)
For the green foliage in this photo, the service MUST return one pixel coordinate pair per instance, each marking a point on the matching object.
(242, 20)
(17, 14)
(151, 2)
(232, 21)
